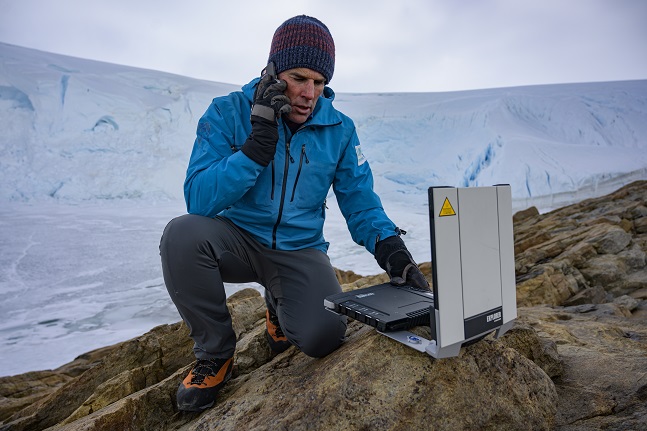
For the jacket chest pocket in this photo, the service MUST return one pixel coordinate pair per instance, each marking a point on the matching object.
(260, 195)
(312, 182)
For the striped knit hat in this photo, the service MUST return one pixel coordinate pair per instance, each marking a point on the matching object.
(303, 41)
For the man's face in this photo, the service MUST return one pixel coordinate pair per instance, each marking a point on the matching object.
(304, 88)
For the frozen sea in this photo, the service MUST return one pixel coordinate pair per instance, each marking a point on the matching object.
(78, 277)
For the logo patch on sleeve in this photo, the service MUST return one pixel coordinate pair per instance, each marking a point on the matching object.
(360, 156)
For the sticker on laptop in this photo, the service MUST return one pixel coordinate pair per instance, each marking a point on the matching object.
(447, 209)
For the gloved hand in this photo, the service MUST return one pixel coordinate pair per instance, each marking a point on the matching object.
(270, 101)
(392, 256)
(269, 104)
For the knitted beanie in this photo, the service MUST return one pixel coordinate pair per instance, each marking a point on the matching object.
(303, 41)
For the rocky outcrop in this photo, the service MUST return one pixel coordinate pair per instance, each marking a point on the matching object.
(603, 353)
(590, 252)
(575, 359)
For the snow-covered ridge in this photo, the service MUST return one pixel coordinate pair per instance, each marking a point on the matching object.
(548, 142)
(81, 130)
(77, 130)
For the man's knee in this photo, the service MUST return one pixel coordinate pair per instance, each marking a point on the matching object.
(180, 230)
(324, 339)
(188, 237)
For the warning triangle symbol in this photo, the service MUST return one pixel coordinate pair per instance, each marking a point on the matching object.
(447, 209)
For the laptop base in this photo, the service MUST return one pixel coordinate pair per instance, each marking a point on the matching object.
(430, 347)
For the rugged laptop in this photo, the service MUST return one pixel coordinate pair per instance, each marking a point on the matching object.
(473, 293)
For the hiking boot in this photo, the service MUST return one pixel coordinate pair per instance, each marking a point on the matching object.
(199, 388)
(274, 334)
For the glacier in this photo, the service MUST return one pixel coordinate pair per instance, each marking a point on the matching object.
(93, 157)
(92, 130)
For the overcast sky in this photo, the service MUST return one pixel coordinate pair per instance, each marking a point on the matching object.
(382, 46)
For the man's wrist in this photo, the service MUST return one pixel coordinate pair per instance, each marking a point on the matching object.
(256, 152)
(264, 112)
(386, 247)
(260, 146)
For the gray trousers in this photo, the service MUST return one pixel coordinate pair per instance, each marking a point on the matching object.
(200, 253)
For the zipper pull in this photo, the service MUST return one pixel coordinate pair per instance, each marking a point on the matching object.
(287, 151)
(303, 153)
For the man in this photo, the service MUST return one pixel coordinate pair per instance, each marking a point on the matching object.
(262, 164)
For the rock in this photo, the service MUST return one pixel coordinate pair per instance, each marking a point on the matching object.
(372, 382)
(604, 353)
(129, 367)
(641, 225)
(525, 214)
(590, 295)
(346, 276)
(585, 247)
(574, 360)
(524, 339)
(18, 392)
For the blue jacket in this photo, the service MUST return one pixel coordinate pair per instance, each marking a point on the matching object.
(283, 205)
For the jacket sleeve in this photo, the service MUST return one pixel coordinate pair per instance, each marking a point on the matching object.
(360, 205)
(218, 174)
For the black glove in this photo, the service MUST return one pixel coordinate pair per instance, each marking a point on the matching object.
(270, 103)
(393, 257)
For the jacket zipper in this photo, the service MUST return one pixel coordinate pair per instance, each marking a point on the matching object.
(273, 176)
(288, 157)
(296, 180)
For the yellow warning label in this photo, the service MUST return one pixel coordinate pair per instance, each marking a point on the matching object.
(447, 209)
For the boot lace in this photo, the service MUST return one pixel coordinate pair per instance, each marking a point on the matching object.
(205, 368)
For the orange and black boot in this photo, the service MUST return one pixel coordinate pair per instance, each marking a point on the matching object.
(199, 388)
(274, 334)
